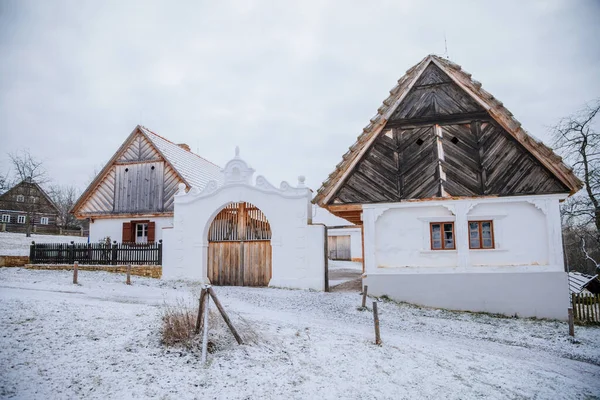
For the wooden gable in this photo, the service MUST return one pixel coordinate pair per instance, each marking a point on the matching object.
(137, 180)
(434, 138)
(434, 94)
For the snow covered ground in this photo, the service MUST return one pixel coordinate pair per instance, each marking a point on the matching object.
(100, 339)
(17, 244)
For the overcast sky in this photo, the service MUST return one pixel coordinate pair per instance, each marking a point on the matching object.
(291, 83)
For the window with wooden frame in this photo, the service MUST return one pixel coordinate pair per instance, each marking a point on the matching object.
(20, 198)
(139, 232)
(21, 219)
(44, 220)
(481, 235)
(442, 236)
(5, 217)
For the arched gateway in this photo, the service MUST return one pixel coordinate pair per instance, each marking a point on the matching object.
(245, 231)
(239, 247)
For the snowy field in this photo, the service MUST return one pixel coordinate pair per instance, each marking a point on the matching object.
(100, 340)
(17, 244)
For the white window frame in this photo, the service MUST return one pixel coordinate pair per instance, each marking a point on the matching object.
(141, 233)
(6, 218)
(20, 198)
(21, 219)
(44, 221)
(32, 199)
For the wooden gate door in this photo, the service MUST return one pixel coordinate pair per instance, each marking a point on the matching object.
(339, 247)
(239, 247)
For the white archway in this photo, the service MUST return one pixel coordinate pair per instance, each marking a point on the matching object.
(298, 258)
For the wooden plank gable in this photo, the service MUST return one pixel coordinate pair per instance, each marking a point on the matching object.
(434, 94)
(137, 180)
(139, 149)
(469, 159)
(478, 147)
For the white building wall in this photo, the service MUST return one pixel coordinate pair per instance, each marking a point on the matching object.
(113, 227)
(523, 274)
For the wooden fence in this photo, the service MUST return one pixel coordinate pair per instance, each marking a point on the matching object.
(96, 253)
(586, 307)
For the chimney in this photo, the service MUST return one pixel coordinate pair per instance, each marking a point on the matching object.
(184, 146)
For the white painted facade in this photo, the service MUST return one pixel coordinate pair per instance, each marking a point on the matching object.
(355, 234)
(113, 227)
(522, 275)
(298, 258)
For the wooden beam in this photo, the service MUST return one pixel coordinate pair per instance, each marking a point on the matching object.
(464, 118)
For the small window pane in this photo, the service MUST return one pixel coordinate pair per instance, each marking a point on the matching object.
(487, 243)
(437, 244)
(449, 244)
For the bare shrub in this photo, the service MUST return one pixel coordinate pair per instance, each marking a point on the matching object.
(178, 323)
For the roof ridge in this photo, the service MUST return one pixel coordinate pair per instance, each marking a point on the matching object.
(190, 151)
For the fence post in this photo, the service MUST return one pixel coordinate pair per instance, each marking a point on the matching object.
(364, 299)
(160, 252)
(128, 274)
(32, 252)
(3, 227)
(376, 321)
(114, 253)
(71, 252)
(75, 270)
(571, 322)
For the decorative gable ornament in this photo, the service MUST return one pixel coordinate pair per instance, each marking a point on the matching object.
(237, 172)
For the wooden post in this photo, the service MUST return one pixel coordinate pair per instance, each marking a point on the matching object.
(364, 299)
(376, 320)
(571, 322)
(75, 270)
(128, 274)
(32, 253)
(203, 295)
(205, 334)
(224, 315)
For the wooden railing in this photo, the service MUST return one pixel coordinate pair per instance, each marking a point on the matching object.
(586, 307)
(96, 253)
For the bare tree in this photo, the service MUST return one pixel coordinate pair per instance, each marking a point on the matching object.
(577, 138)
(31, 171)
(64, 197)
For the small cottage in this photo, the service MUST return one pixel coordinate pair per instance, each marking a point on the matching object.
(459, 205)
(131, 199)
(27, 207)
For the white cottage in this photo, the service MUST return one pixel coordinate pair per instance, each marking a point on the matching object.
(459, 205)
(131, 200)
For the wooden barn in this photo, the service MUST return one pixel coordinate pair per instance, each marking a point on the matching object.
(459, 205)
(132, 198)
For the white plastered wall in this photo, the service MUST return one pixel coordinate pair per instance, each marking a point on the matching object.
(297, 247)
(523, 274)
(113, 227)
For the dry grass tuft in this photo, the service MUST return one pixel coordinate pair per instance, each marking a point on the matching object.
(178, 324)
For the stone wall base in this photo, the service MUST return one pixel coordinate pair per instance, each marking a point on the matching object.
(13, 261)
(150, 271)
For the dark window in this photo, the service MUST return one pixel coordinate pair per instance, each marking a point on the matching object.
(442, 236)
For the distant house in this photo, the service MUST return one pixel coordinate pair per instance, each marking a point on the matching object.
(131, 199)
(583, 283)
(26, 204)
(459, 205)
(344, 240)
